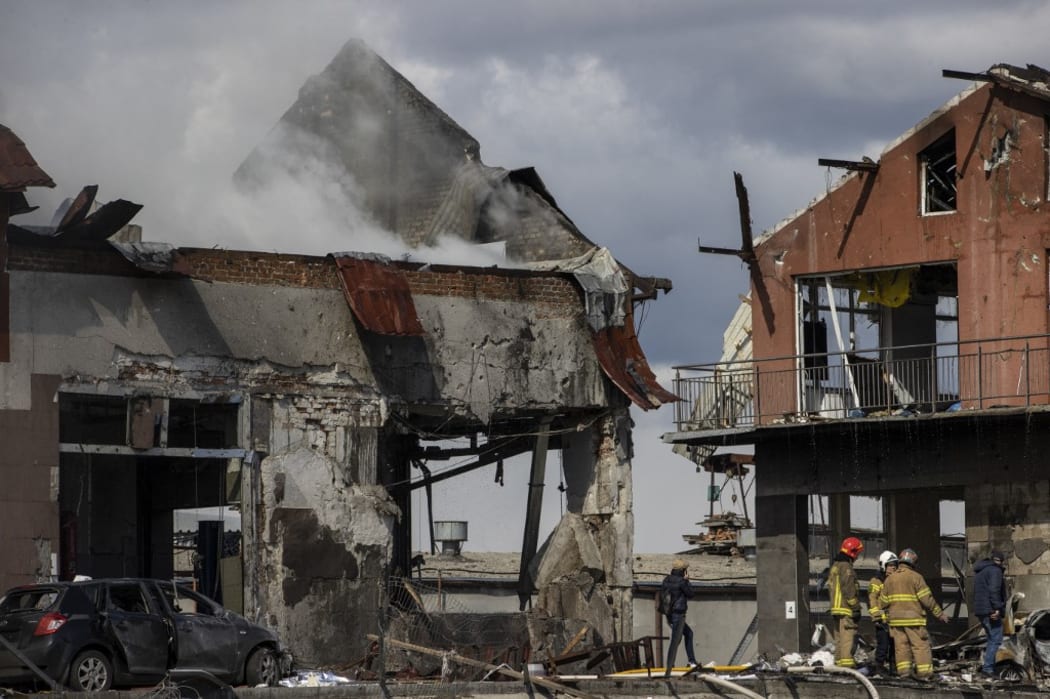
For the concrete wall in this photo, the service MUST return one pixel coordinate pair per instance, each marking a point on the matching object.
(1013, 517)
(584, 571)
(719, 618)
(325, 549)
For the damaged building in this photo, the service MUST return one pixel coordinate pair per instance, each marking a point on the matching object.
(309, 393)
(896, 346)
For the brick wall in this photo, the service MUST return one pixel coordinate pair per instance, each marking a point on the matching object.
(552, 291)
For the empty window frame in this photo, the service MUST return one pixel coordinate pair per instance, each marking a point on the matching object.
(938, 175)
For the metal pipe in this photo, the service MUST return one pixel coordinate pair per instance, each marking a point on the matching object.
(980, 377)
(732, 686)
(836, 670)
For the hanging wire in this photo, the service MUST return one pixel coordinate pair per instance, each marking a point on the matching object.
(561, 485)
(643, 313)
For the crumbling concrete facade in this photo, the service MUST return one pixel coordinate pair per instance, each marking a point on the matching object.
(939, 251)
(320, 414)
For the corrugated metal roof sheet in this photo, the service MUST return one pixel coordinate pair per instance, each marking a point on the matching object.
(18, 170)
(378, 295)
(78, 226)
(623, 361)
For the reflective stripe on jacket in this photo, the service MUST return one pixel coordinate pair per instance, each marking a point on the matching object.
(906, 598)
(842, 585)
(874, 590)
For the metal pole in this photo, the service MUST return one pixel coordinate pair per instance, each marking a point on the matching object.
(756, 393)
(980, 378)
(933, 378)
(1027, 377)
(533, 509)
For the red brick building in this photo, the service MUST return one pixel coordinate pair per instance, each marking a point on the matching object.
(899, 335)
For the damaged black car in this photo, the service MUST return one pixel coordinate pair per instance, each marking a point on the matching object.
(94, 634)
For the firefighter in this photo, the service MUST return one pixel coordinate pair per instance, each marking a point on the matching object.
(845, 603)
(883, 643)
(906, 598)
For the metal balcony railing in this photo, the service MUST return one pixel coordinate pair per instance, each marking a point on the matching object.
(901, 380)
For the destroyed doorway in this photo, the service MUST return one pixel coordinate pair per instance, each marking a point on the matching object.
(879, 340)
(126, 467)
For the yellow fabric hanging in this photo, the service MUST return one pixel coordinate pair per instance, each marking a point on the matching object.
(890, 288)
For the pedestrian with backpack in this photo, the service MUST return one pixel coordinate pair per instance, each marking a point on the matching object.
(675, 591)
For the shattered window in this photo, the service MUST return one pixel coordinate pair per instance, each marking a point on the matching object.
(938, 175)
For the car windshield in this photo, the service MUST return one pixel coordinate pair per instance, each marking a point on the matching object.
(30, 600)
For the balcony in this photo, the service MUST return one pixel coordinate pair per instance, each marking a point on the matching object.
(903, 380)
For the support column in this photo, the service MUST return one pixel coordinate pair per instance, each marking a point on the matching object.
(839, 522)
(533, 509)
(913, 520)
(585, 573)
(783, 573)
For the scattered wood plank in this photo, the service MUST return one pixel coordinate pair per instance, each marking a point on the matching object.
(457, 658)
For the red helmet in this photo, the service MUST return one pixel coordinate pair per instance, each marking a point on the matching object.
(852, 546)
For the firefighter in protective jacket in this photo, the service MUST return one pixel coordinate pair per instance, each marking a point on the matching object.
(845, 600)
(906, 598)
(883, 644)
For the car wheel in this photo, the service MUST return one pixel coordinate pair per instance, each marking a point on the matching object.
(91, 672)
(1010, 672)
(261, 668)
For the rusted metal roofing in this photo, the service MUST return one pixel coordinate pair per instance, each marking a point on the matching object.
(18, 169)
(623, 361)
(378, 294)
(160, 258)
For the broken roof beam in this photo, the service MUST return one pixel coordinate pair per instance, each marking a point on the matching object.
(966, 75)
(1030, 80)
(505, 452)
(649, 286)
(866, 165)
(717, 251)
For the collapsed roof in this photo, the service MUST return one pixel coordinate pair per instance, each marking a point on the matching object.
(412, 168)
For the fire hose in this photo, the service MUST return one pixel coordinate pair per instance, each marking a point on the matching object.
(836, 670)
(726, 684)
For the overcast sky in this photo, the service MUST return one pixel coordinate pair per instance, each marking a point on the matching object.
(635, 114)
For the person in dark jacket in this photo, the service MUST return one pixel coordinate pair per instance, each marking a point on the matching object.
(678, 590)
(989, 604)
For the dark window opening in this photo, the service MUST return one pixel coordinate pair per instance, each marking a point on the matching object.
(939, 175)
(91, 419)
(139, 422)
(202, 425)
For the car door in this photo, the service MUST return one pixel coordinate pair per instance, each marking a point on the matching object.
(207, 637)
(134, 625)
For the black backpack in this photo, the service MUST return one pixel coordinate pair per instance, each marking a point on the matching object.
(664, 601)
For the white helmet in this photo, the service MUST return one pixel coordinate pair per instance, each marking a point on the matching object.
(887, 558)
